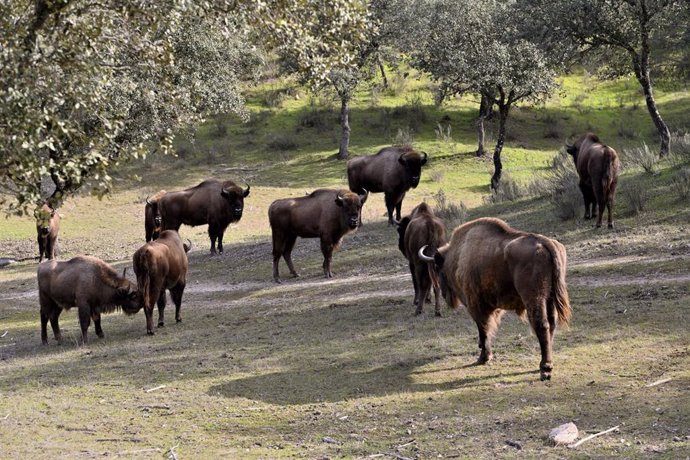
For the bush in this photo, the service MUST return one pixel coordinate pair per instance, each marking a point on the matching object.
(561, 186)
(436, 175)
(642, 157)
(282, 142)
(680, 147)
(451, 213)
(636, 198)
(396, 83)
(508, 190)
(319, 115)
(403, 137)
(443, 133)
(680, 184)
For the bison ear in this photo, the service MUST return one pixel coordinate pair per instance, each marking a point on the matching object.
(401, 160)
(438, 260)
(424, 160)
(245, 194)
(571, 149)
(339, 200)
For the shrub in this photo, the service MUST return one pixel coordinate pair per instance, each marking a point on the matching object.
(282, 142)
(403, 137)
(443, 133)
(220, 127)
(397, 83)
(680, 184)
(626, 131)
(561, 186)
(643, 157)
(508, 190)
(436, 175)
(636, 198)
(680, 147)
(318, 115)
(452, 214)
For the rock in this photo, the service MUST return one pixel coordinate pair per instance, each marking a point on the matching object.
(5, 261)
(329, 440)
(564, 434)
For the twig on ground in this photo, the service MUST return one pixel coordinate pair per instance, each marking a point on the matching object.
(171, 452)
(407, 443)
(155, 388)
(3, 335)
(6, 416)
(658, 382)
(592, 436)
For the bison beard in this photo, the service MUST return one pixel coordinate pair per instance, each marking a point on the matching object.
(160, 265)
(597, 166)
(492, 267)
(326, 214)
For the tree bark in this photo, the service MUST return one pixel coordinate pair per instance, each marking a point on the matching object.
(484, 108)
(343, 153)
(383, 71)
(641, 66)
(503, 109)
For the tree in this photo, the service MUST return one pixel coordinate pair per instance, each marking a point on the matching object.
(619, 26)
(479, 49)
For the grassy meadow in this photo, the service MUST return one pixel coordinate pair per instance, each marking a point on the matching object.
(316, 368)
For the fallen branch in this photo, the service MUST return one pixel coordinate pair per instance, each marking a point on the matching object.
(6, 416)
(155, 388)
(592, 436)
(658, 382)
(171, 452)
(3, 335)
(407, 443)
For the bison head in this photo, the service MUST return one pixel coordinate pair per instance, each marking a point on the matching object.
(402, 226)
(352, 207)
(235, 197)
(129, 298)
(412, 162)
(438, 260)
(43, 216)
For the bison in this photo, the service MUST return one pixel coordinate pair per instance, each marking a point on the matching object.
(393, 171)
(152, 217)
(597, 165)
(491, 267)
(422, 228)
(325, 213)
(211, 202)
(159, 265)
(47, 228)
(87, 283)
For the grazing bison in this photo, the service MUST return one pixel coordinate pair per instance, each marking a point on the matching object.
(491, 267)
(152, 217)
(47, 228)
(159, 265)
(597, 165)
(87, 283)
(325, 213)
(393, 171)
(211, 202)
(421, 228)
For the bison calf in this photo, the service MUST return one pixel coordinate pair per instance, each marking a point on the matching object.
(47, 228)
(159, 265)
(421, 228)
(492, 267)
(597, 165)
(393, 171)
(87, 283)
(325, 213)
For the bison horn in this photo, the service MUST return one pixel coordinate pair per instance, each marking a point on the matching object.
(148, 201)
(424, 256)
(124, 273)
(425, 157)
(187, 247)
(246, 192)
(364, 197)
(224, 191)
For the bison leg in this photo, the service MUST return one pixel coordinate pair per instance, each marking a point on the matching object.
(588, 197)
(610, 202)
(423, 287)
(487, 323)
(287, 254)
(601, 201)
(161, 309)
(96, 317)
(44, 328)
(414, 285)
(148, 311)
(212, 234)
(398, 207)
(542, 324)
(437, 299)
(327, 250)
(390, 205)
(84, 322)
(54, 324)
(176, 295)
(220, 240)
(41, 248)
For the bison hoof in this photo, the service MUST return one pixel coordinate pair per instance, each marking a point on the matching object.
(178, 320)
(418, 312)
(545, 376)
(100, 335)
(438, 314)
(610, 225)
(161, 324)
(150, 332)
(44, 342)
(295, 275)
(277, 281)
(483, 359)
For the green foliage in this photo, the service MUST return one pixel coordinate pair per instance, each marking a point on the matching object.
(642, 157)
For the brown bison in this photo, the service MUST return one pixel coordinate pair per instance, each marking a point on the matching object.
(421, 228)
(598, 166)
(152, 217)
(159, 265)
(87, 283)
(47, 228)
(393, 171)
(491, 267)
(325, 213)
(211, 202)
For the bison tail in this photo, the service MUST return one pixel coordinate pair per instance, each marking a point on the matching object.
(610, 167)
(145, 270)
(559, 292)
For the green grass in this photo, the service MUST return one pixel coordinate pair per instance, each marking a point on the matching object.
(258, 370)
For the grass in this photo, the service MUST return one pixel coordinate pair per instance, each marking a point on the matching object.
(342, 368)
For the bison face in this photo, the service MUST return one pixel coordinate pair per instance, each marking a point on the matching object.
(235, 197)
(402, 226)
(129, 299)
(352, 208)
(447, 291)
(413, 162)
(43, 216)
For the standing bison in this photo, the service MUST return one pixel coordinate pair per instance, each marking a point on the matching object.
(87, 283)
(325, 213)
(212, 202)
(491, 267)
(47, 228)
(598, 166)
(421, 228)
(152, 217)
(159, 265)
(393, 171)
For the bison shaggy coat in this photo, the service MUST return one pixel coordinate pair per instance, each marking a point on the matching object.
(159, 265)
(421, 228)
(87, 283)
(598, 167)
(491, 267)
(212, 202)
(47, 229)
(152, 217)
(325, 213)
(393, 171)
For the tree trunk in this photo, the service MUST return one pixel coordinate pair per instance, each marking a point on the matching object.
(483, 112)
(498, 166)
(345, 125)
(642, 74)
(383, 71)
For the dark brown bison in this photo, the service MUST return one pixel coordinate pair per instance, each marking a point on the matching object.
(211, 202)
(159, 265)
(491, 267)
(325, 213)
(598, 166)
(421, 228)
(87, 283)
(47, 229)
(393, 171)
(152, 217)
